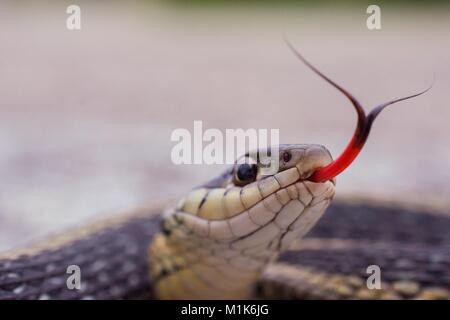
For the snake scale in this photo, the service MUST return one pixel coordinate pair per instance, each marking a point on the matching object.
(241, 235)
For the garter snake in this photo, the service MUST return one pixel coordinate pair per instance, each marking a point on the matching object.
(239, 236)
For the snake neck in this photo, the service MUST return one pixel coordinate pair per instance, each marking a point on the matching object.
(191, 270)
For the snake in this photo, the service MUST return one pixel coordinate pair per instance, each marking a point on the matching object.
(247, 234)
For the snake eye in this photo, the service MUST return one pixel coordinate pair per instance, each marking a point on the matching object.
(287, 156)
(246, 173)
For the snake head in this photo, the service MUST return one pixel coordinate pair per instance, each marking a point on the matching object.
(242, 200)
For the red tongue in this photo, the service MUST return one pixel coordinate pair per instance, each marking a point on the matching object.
(337, 166)
(361, 133)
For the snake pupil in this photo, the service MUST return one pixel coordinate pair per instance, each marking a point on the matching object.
(246, 172)
(287, 156)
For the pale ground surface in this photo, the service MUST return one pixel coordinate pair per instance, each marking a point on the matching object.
(86, 116)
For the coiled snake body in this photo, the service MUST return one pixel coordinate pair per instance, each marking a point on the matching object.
(239, 236)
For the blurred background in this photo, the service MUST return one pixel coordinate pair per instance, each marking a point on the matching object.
(86, 115)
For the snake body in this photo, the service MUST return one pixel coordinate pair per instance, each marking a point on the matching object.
(229, 240)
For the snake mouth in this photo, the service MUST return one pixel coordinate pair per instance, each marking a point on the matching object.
(315, 157)
(310, 177)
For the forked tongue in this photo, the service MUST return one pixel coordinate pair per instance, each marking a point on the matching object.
(362, 128)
